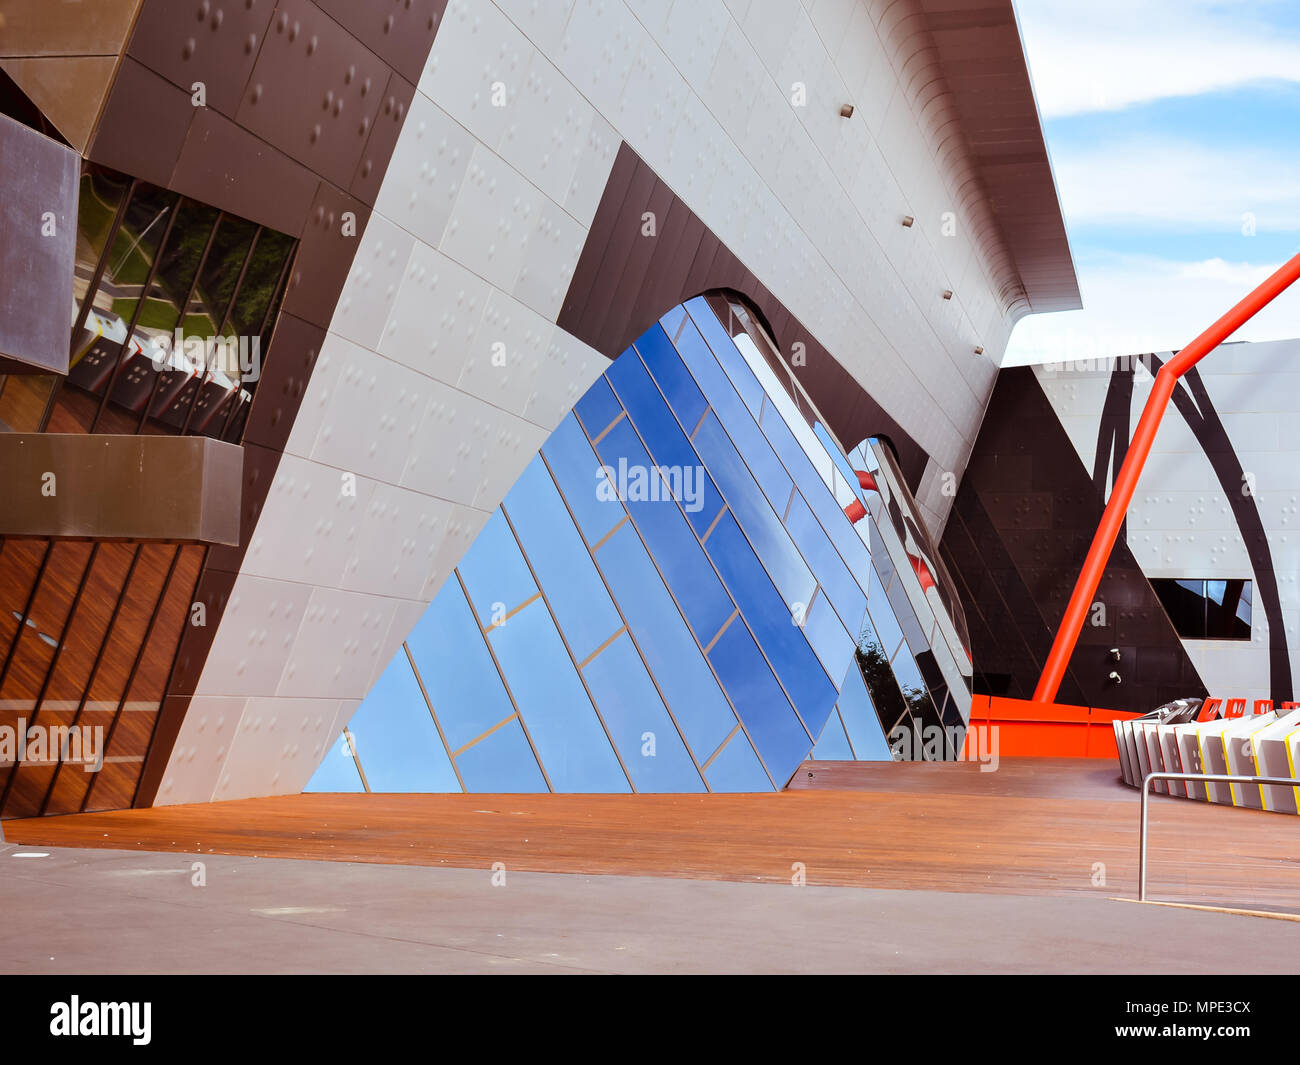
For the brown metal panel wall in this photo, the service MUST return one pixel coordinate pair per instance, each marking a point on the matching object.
(304, 103)
(623, 282)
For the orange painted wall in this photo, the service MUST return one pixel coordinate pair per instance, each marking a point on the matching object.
(1045, 730)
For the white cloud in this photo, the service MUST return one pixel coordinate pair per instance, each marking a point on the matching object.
(1102, 55)
(1162, 183)
(1136, 304)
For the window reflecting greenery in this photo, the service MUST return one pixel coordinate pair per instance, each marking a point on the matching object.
(149, 261)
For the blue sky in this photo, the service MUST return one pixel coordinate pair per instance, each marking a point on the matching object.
(1174, 130)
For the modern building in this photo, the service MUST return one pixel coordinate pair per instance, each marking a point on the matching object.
(360, 298)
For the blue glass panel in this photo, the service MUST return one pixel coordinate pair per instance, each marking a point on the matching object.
(836, 580)
(338, 772)
(910, 681)
(674, 658)
(887, 630)
(833, 644)
(457, 671)
(818, 496)
(632, 708)
(495, 573)
(842, 463)
(670, 541)
(738, 769)
(740, 424)
(860, 719)
(575, 468)
(833, 746)
(906, 616)
(396, 739)
(566, 732)
(769, 719)
(668, 446)
(672, 321)
(598, 407)
(771, 541)
(881, 683)
(562, 563)
(678, 386)
(502, 762)
(724, 348)
(880, 557)
(774, 626)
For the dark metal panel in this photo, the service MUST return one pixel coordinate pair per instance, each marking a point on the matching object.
(120, 487)
(401, 34)
(143, 125)
(623, 282)
(325, 255)
(295, 346)
(189, 41)
(315, 91)
(38, 233)
(1021, 524)
(382, 139)
(224, 165)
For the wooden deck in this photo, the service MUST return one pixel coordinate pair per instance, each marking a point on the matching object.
(1036, 826)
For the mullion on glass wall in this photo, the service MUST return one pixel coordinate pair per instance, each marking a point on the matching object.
(428, 704)
(732, 461)
(809, 486)
(690, 629)
(356, 759)
(147, 410)
(622, 615)
(98, 275)
(569, 449)
(219, 333)
(84, 310)
(569, 651)
(504, 683)
(707, 565)
(623, 627)
(238, 405)
(135, 315)
(652, 388)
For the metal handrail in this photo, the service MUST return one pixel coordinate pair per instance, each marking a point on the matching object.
(1222, 778)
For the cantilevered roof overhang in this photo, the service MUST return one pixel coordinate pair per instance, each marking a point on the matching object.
(967, 69)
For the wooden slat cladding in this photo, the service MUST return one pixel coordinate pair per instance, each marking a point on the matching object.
(625, 281)
(1036, 826)
(104, 624)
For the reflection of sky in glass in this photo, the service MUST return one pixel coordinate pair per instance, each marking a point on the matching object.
(649, 644)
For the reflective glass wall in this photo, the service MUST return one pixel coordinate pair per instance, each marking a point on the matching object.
(673, 598)
(154, 267)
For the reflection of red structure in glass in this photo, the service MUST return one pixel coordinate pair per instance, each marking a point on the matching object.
(855, 512)
(922, 572)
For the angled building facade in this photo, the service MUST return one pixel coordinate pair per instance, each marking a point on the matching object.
(446, 225)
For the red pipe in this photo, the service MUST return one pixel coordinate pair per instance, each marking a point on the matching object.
(1131, 469)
